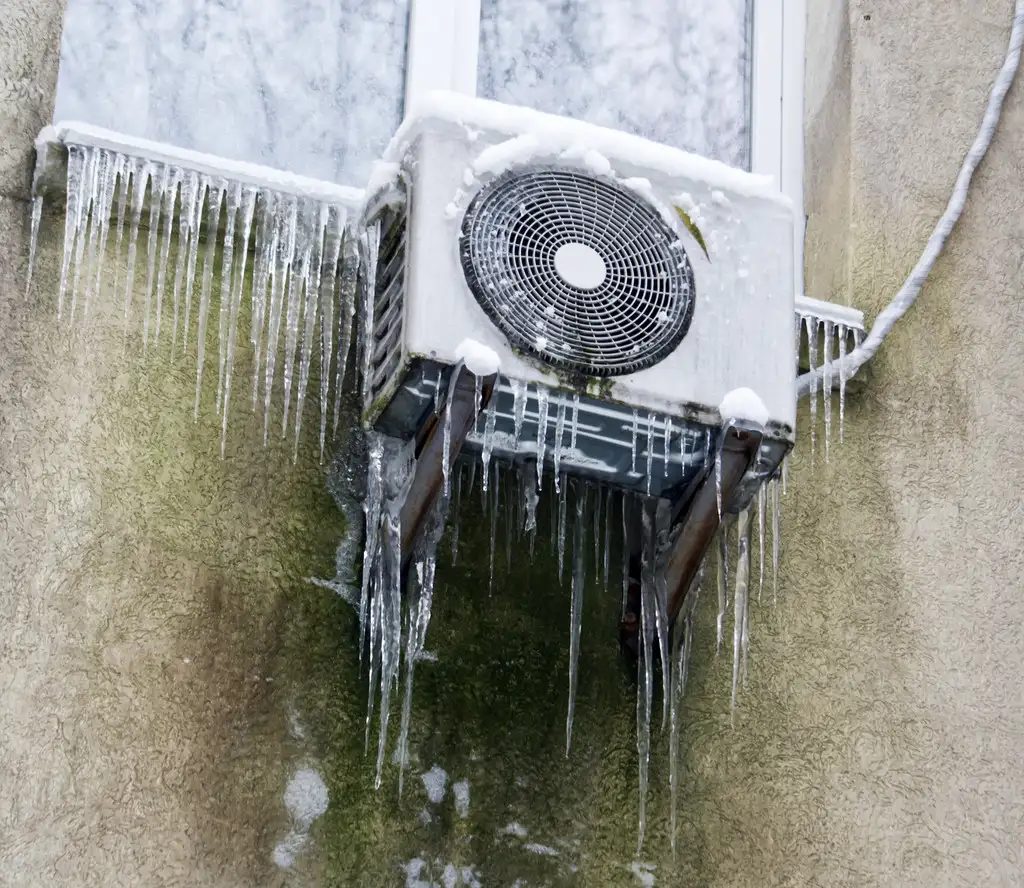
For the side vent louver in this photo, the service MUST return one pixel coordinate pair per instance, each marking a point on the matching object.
(388, 302)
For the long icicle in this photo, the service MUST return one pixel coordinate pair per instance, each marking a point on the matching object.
(311, 314)
(646, 669)
(232, 202)
(212, 226)
(739, 633)
(576, 606)
(248, 210)
(170, 200)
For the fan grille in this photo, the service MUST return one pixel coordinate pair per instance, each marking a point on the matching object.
(614, 315)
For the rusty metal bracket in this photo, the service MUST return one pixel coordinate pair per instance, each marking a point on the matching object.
(694, 524)
(428, 475)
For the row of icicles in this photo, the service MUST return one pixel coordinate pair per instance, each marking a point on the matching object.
(302, 279)
(598, 519)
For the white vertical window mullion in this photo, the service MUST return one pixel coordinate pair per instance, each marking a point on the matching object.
(792, 178)
(766, 90)
(443, 47)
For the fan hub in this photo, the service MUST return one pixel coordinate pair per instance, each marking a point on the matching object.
(580, 266)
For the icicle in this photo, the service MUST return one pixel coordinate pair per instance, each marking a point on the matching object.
(170, 197)
(597, 531)
(625, 552)
(391, 623)
(529, 499)
(636, 433)
(86, 213)
(232, 201)
(826, 384)
(660, 530)
(740, 636)
(645, 684)
(542, 432)
(574, 430)
(311, 313)
(156, 201)
(138, 197)
(762, 508)
(370, 245)
(126, 170)
(576, 606)
(33, 243)
(718, 485)
(186, 233)
(287, 224)
(511, 526)
(263, 264)
(650, 450)
(668, 443)
(607, 540)
(332, 254)
(419, 622)
(843, 375)
(478, 399)
(458, 509)
(212, 226)
(193, 253)
(346, 314)
(371, 509)
(775, 540)
(102, 215)
(447, 432)
(556, 450)
(519, 397)
(682, 642)
(248, 209)
(438, 401)
(297, 284)
(722, 564)
(377, 569)
(785, 472)
(561, 532)
(76, 171)
(495, 502)
(812, 357)
(488, 443)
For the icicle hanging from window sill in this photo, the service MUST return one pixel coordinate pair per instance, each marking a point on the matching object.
(300, 234)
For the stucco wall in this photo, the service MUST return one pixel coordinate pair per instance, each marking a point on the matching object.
(148, 591)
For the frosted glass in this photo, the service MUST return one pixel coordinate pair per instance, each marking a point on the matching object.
(676, 71)
(311, 86)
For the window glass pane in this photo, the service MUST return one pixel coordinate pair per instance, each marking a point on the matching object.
(310, 86)
(675, 71)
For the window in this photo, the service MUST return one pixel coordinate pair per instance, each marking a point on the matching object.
(722, 78)
(315, 89)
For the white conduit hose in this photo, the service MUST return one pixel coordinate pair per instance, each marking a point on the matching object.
(912, 286)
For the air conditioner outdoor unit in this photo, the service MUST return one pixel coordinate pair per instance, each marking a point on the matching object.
(622, 325)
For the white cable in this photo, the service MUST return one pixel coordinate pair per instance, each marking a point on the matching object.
(912, 286)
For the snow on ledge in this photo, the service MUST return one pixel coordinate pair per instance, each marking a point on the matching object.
(74, 133)
(555, 135)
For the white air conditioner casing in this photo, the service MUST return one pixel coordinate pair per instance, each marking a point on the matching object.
(741, 332)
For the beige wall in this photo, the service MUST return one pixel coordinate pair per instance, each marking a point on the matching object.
(879, 741)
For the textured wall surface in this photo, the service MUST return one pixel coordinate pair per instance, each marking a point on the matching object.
(165, 667)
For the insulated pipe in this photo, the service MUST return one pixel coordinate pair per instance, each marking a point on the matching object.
(428, 476)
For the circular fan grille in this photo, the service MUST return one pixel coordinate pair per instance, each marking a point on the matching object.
(577, 270)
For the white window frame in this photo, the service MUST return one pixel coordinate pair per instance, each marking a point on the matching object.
(444, 39)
